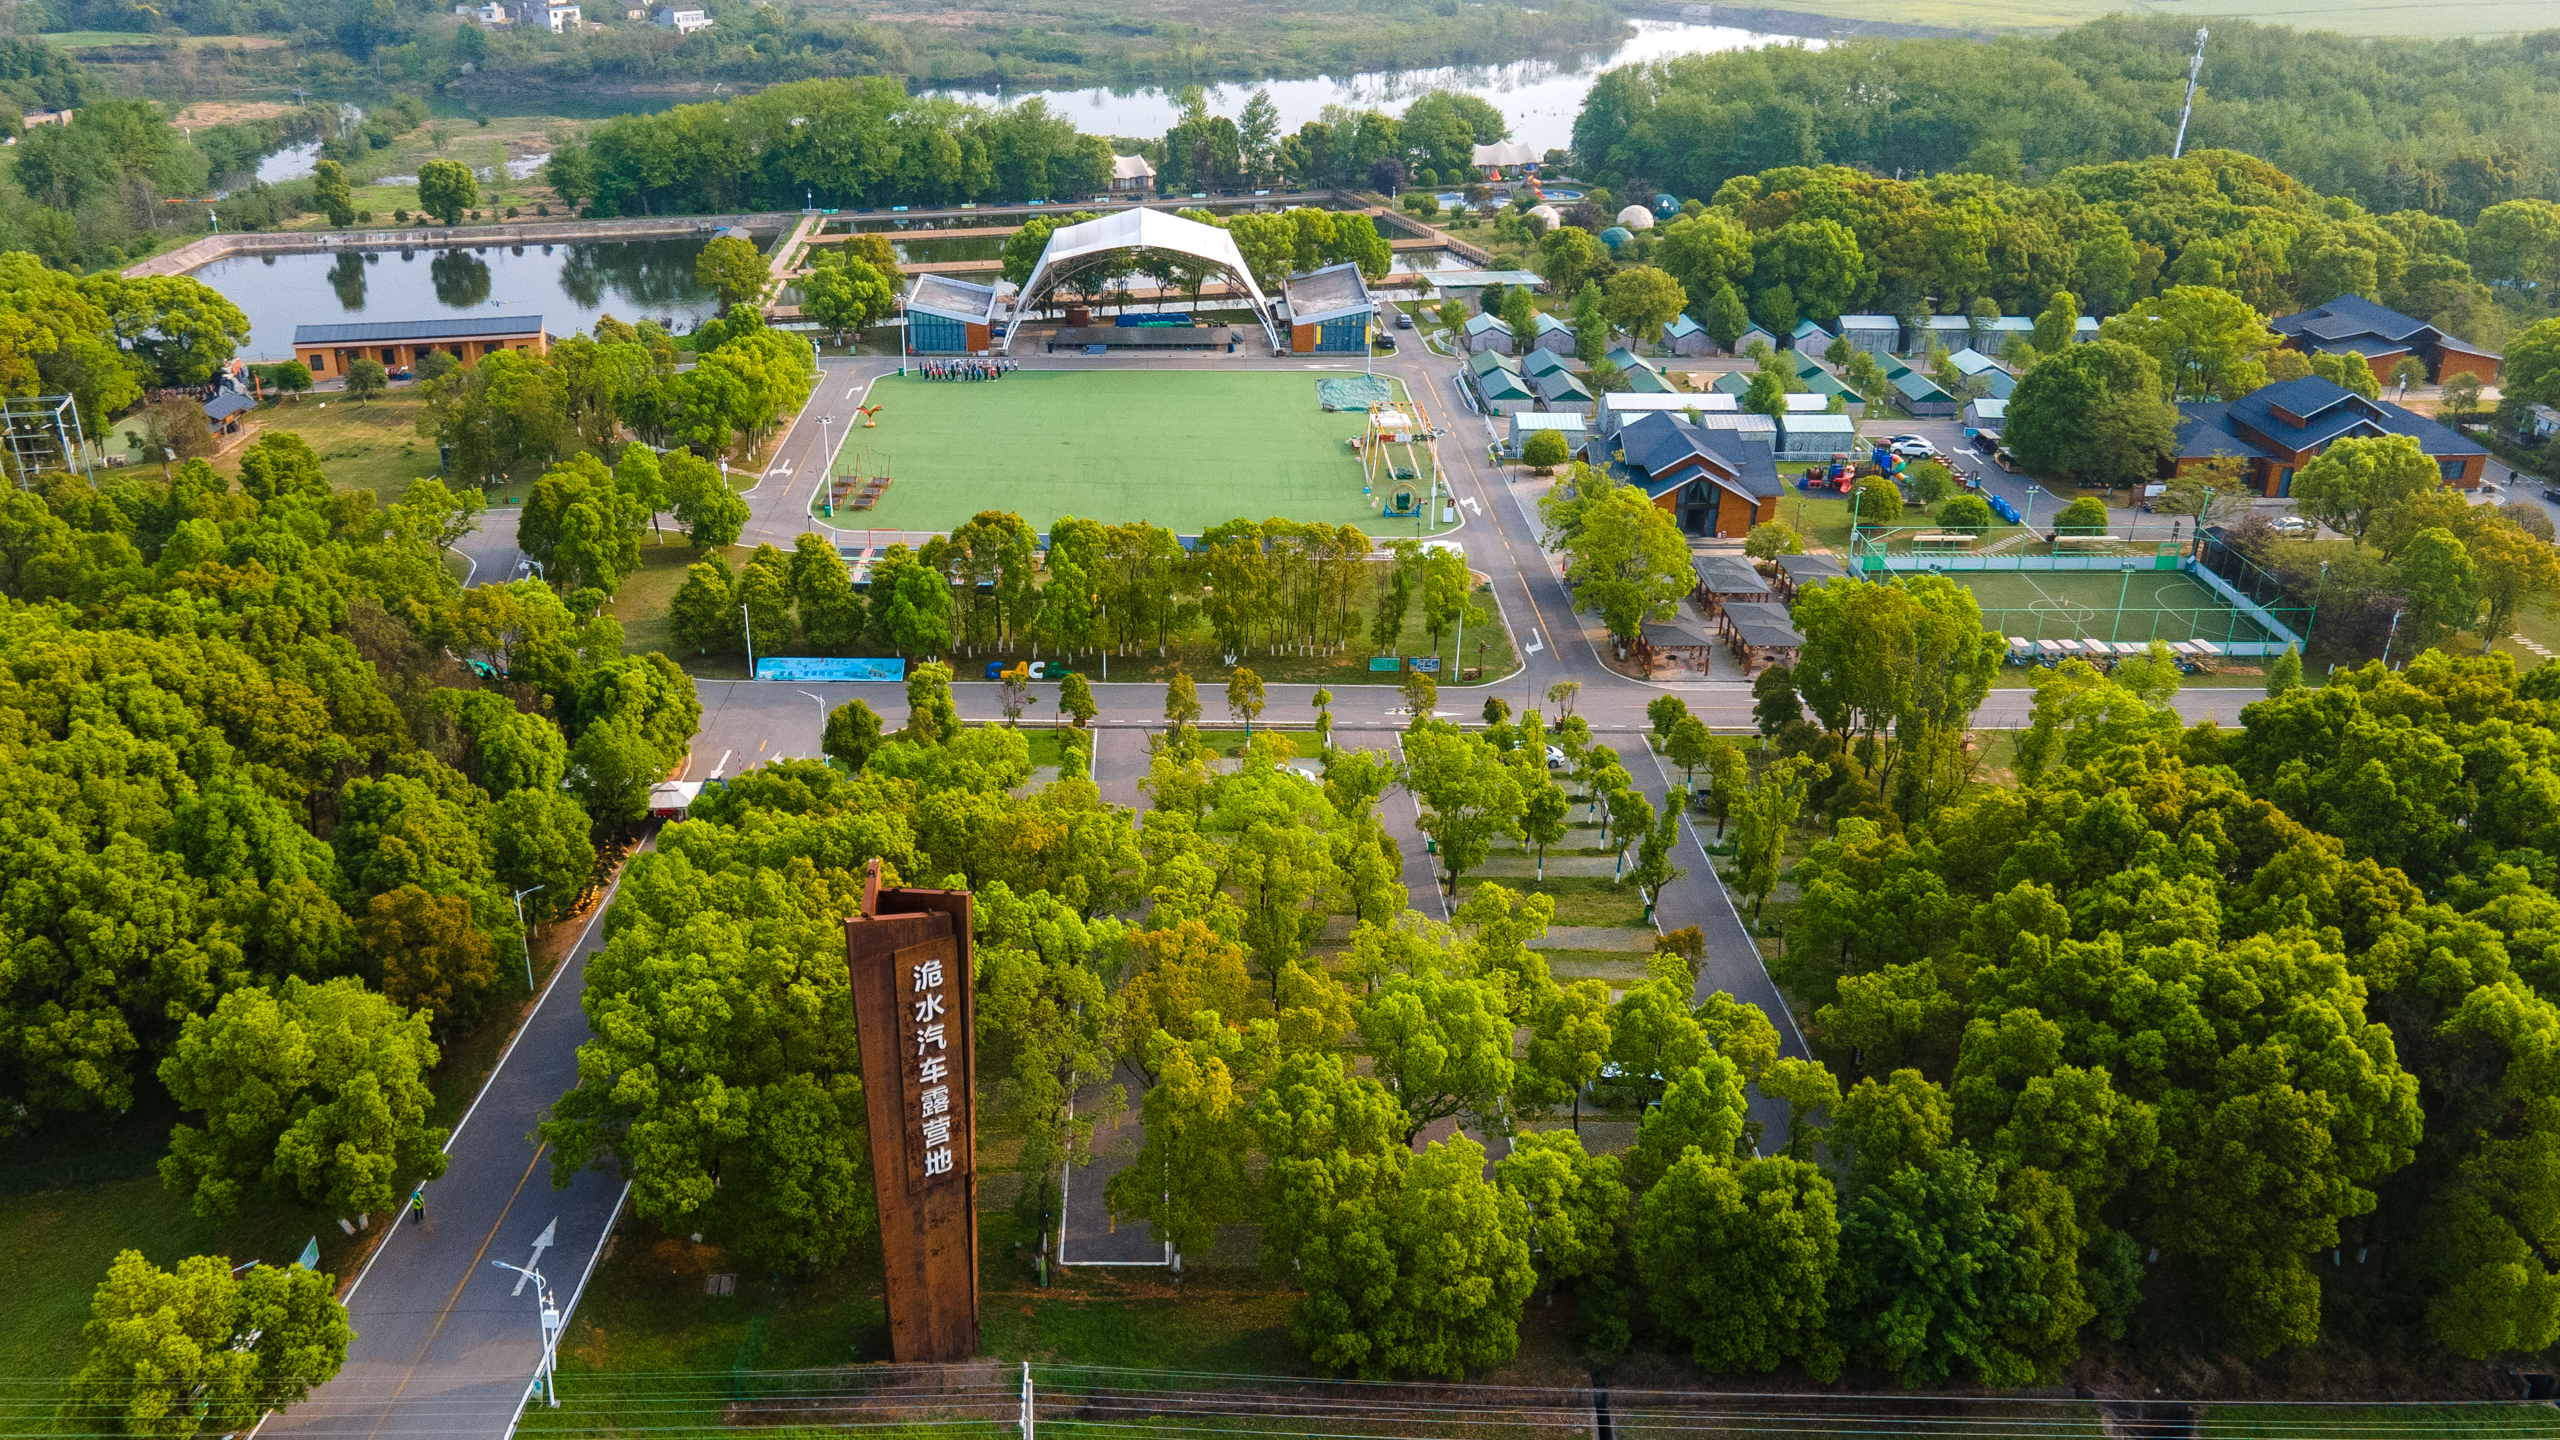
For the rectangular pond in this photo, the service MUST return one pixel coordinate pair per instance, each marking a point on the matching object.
(569, 286)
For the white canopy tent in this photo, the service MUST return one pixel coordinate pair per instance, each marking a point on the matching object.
(1074, 248)
(1507, 152)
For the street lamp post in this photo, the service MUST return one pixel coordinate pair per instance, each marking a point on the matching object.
(822, 720)
(2316, 596)
(750, 622)
(2394, 635)
(827, 462)
(549, 1375)
(2029, 520)
(524, 937)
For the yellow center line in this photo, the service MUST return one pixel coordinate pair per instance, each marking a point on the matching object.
(419, 1356)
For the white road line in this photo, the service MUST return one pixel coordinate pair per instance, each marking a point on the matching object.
(1535, 644)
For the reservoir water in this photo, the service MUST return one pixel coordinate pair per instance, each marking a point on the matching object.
(569, 286)
(1539, 97)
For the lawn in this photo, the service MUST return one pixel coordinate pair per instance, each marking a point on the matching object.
(106, 39)
(71, 1199)
(56, 1238)
(1580, 899)
(646, 605)
(368, 445)
(1184, 449)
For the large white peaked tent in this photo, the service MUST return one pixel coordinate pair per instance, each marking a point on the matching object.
(1073, 248)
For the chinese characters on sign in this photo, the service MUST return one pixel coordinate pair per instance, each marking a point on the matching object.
(924, 1018)
(908, 956)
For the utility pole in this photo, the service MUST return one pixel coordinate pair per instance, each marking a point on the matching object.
(2195, 69)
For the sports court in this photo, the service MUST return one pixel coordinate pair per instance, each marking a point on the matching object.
(1182, 449)
(2138, 605)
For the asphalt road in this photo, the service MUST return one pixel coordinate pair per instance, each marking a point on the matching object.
(445, 1344)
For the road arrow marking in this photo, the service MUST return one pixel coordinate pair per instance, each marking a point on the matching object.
(1536, 644)
(541, 1243)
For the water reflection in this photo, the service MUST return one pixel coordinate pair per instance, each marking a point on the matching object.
(654, 277)
(461, 279)
(568, 287)
(346, 279)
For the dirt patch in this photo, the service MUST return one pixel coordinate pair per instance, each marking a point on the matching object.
(227, 112)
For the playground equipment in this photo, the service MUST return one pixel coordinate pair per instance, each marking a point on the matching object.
(851, 485)
(869, 412)
(1399, 450)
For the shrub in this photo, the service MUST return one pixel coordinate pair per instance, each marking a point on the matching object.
(1545, 449)
(2084, 516)
(1965, 512)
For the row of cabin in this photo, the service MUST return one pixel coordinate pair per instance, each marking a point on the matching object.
(2349, 324)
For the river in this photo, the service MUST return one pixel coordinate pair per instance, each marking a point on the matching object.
(1539, 97)
(569, 286)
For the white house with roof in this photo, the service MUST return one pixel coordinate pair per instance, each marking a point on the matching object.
(683, 20)
(1132, 175)
(557, 16)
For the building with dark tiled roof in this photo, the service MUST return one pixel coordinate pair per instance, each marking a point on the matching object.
(2277, 429)
(1714, 483)
(2352, 324)
(327, 350)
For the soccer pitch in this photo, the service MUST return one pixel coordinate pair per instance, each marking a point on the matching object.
(2138, 605)
(1182, 449)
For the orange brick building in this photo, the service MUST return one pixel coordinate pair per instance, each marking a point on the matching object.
(2352, 324)
(330, 349)
(2277, 429)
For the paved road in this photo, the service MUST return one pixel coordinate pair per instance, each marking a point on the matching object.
(444, 1343)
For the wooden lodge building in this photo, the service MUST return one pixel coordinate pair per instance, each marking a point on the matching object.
(1715, 483)
(2277, 429)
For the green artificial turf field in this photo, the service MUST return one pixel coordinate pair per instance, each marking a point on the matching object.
(2083, 605)
(1182, 449)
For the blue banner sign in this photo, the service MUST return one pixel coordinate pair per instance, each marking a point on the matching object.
(1427, 664)
(811, 668)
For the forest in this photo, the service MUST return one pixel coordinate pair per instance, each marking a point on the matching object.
(2445, 128)
(346, 47)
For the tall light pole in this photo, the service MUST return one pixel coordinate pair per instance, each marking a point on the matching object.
(550, 1317)
(2394, 635)
(827, 462)
(2028, 522)
(524, 937)
(822, 719)
(750, 623)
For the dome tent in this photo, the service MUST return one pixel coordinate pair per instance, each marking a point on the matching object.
(1616, 237)
(1554, 218)
(1636, 217)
